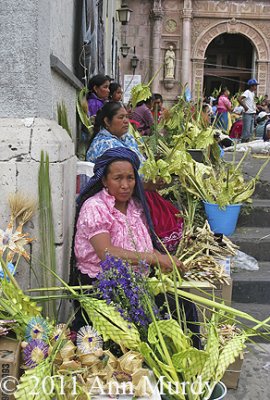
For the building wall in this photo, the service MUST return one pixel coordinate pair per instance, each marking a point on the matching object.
(40, 45)
(62, 42)
(138, 34)
(18, 55)
(31, 83)
(102, 37)
(206, 20)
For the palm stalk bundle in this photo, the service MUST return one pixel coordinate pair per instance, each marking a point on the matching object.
(205, 268)
(46, 227)
(200, 251)
(202, 241)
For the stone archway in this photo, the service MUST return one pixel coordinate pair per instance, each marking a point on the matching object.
(232, 26)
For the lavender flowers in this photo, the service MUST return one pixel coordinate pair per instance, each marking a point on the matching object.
(126, 287)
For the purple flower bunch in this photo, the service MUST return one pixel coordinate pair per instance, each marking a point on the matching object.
(126, 287)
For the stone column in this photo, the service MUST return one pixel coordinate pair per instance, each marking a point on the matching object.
(186, 44)
(262, 75)
(197, 77)
(156, 16)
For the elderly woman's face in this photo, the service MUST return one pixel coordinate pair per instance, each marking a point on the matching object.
(118, 126)
(120, 181)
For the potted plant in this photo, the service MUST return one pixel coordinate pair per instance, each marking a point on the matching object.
(222, 188)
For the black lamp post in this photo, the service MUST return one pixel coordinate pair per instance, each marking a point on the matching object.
(134, 62)
(124, 14)
(124, 49)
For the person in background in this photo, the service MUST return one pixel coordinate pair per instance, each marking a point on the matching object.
(206, 115)
(142, 114)
(262, 120)
(247, 100)
(214, 110)
(237, 126)
(99, 91)
(224, 106)
(116, 92)
(157, 107)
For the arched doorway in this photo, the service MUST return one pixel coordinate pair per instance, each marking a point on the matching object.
(232, 26)
(229, 61)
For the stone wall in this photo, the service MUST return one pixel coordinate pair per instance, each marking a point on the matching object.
(29, 33)
(21, 141)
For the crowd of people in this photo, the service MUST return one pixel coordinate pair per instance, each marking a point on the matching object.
(247, 121)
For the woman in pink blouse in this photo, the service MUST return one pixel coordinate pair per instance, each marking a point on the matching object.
(223, 108)
(114, 217)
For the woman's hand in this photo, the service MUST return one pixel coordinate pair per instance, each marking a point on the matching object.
(166, 263)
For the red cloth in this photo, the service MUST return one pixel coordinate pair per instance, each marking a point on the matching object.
(168, 226)
(236, 129)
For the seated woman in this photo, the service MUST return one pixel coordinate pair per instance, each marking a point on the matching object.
(99, 91)
(110, 131)
(113, 217)
(262, 120)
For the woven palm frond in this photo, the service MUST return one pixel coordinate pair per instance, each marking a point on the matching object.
(230, 352)
(109, 323)
(190, 362)
(212, 348)
(17, 305)
(172, 330)
(31, 385)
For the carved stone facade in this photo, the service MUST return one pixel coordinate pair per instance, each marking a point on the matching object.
(190, 26)
(232, 26)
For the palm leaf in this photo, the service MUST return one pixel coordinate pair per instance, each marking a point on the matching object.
(63, 118)
(81, 106)
(212, 348)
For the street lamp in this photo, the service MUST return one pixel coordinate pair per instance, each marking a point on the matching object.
(123, 14)
(134, 62)
(124, 49)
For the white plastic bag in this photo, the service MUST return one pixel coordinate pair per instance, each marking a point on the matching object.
(244, 261)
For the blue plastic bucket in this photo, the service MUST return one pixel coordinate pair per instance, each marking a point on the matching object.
(222, 220)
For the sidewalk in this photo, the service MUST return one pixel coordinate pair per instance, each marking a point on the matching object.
(254, 379)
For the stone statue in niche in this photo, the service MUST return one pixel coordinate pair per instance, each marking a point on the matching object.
(169, 63)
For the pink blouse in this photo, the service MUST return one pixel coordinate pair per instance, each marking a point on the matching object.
(99, 215)
(223, 104)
